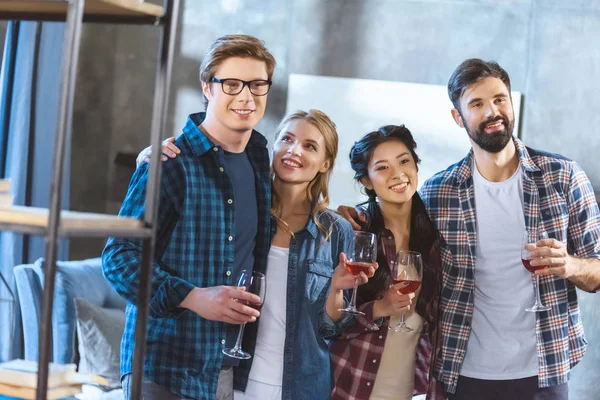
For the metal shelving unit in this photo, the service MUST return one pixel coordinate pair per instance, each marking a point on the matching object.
(54, 223)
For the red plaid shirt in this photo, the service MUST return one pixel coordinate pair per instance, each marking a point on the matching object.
(356, 355)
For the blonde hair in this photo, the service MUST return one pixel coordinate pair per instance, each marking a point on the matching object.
(228, 46)
(317, 191)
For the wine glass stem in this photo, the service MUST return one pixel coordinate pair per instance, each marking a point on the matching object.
(353, 299)
(238, 342)
(401, 322)
(538, 299)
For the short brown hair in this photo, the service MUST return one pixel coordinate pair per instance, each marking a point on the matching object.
(228, 46)
(471, 71)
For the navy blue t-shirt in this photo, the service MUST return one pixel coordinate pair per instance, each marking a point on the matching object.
(240, 172)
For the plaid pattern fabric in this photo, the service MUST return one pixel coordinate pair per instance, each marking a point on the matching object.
(557, 196)
(356, 353)
(194, 248)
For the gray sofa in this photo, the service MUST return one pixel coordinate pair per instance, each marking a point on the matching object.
(74, 279)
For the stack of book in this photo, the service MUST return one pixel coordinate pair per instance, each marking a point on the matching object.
(18, 380)
(6, 199)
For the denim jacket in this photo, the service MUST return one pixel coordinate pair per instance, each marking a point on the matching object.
(312, 259)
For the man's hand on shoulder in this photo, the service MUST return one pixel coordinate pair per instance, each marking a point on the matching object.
(352, 215)
(222, 303)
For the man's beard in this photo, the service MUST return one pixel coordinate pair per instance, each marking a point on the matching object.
(492, 142)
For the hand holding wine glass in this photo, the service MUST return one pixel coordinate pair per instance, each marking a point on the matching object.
(343, 279)
(406, 269)
(256, 283)
(218, 303)
(362, 258)
(531, 237)
(393, 303)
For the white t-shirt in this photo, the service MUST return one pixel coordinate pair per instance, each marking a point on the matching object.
(502, 344)
(267, 365)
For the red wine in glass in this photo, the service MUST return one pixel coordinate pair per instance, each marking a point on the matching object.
(355, 267)
(256, 283)
(362, 256)
(407, 267)
(532, 268)
(411, 286)
(256, 306)
(530, 237)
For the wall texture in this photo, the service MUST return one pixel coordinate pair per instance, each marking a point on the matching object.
(549, 48)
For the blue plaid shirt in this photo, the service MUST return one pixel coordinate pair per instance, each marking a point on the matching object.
(558, 196)
(194, 248)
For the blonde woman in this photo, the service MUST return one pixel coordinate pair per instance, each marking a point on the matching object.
(291, 357)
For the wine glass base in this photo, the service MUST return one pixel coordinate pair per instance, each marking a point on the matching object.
(402, 329)
(237, 353)
(537, 308)
(353, 311)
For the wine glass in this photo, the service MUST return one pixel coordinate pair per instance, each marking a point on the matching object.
(532, 236)
(363, 256)
(256, 283)
(407, 268)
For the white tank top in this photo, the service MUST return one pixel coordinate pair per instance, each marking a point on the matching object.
(267, 364)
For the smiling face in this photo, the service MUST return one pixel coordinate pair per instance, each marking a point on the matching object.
(392, 173)
(299, 153)
(236, 113)
(486, 112)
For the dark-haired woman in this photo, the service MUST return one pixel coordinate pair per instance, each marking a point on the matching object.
(369, 360)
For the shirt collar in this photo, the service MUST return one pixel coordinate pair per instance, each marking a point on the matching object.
(311, 227)
(465, 166)
(200, 143)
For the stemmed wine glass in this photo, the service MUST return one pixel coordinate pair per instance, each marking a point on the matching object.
(363, 256)
(407, 268)
(532, 236)
(256, 283)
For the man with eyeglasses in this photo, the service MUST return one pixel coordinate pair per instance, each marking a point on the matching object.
(213, 222)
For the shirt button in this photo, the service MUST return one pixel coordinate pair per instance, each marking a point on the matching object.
(228, 273)
(222, 341)
(380, 336)
(368, 383)
(374, 361)
(215, 148)
(221, 169)
(230, 238)
(229, 201)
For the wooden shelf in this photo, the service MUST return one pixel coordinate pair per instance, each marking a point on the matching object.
(72, 223)
(100, 10)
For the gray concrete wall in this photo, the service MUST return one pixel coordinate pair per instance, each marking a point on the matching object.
(549, 48)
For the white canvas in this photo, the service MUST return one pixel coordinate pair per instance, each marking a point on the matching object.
(359, 106)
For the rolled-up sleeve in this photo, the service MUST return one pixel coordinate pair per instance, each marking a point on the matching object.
(584, 216)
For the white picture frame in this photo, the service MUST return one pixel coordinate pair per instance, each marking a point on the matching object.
(359, 106)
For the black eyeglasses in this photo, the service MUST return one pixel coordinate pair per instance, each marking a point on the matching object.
(259, 87)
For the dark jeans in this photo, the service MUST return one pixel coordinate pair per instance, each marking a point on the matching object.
(513, 389)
